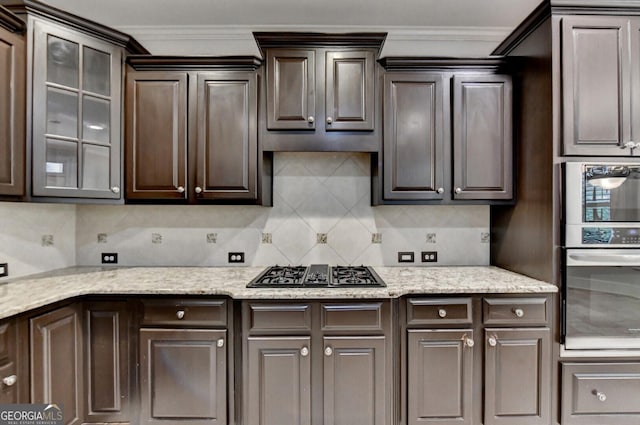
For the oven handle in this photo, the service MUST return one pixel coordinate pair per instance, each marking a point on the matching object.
(601, 259)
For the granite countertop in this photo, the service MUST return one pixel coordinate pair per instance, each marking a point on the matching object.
(35, 291)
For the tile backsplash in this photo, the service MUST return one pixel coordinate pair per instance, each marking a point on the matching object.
(321, 214)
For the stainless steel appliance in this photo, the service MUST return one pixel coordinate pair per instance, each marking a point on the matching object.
(601, 299)
(602, 204)
(317, 275)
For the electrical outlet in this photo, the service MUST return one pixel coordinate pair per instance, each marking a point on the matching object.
(429, 256)
(405, 257)
(4, 269)
(109, 257)
(236, 257)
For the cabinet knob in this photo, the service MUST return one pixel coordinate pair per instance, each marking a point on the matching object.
(311, 119)
(458, 190)
(629, 145)
(10, 380)
(442, 313)
(220, 343)
(492, 341)
(198, 189)
(180, 189)
(328, 351)
(329, 120)
(468, 342)
(440, 190)
(115, 189)
(304, 351)
(180, 314)
(600, 395)
(518, 312)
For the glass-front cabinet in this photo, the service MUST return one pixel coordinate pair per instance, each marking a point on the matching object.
(76, 138)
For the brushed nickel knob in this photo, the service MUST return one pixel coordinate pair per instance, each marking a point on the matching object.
(442, 313)
(493, 341)
(329, 120)
(458, 190)
(198, 189)
(469, 342)
(304, 351)
(440, 190)
(180, 189)
(311, 119)
(115, 189)
(180, 314)
(629, 145)
(328, 351)
(220, 343)
(518, 312)
(600, 395)
(10, 380)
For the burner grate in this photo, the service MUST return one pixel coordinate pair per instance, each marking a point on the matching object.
(317, 275)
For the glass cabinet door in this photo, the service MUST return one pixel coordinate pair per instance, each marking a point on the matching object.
(76, 114)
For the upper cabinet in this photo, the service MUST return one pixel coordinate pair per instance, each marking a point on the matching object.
(75, 82)
(320, 92)
(600, 70)
(191, 129)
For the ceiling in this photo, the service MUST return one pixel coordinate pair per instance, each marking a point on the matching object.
(218, 27)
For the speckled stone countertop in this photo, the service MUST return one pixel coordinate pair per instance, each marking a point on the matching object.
(31, 292)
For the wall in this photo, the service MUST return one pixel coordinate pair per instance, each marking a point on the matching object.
(36, 237)
(321, 214)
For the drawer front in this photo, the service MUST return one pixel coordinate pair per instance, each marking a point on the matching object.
(601, 393)
(269, 318)
(8, 390)
(352, 317)
(185, 312)
(515, 311)
(438, 311)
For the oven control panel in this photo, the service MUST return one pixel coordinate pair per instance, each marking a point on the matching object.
(611, 235)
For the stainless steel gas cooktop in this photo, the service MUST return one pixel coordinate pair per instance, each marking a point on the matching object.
(317, 275)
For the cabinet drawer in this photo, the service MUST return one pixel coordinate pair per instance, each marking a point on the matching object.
(515, 311)
(266, 318)
(185, 312)
(440, 311)
(8, 393)
(352, 317)
(600, 393)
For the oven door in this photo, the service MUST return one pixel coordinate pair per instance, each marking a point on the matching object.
(601, 299)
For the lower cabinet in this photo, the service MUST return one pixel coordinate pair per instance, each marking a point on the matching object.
(9, 381)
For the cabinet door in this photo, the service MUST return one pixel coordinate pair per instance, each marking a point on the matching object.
(291, 81)
(482, 137)
(106, 353)
(414, 136)
(439, 373)
(156, 135)
(278, 379)
(12, 113)
(76, 115)
(596, 85)
(356, 391)
(183, 376)
(56, 361)
(8, 363)
(227, 145)
(517, 376)
(350, 100)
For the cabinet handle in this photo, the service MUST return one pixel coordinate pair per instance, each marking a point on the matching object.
(198, 189)
(180, 189)
(493, 341)
(601, 396)
(328, 351)
(10, 380)
(304, 351)
(329, 120)
(220, 343)
(440, 190)
(458, 190)
(180, 314)
(115, 189)
(468, 342)
(311, 119)
(518, 312)
(442, 313)
(629, 145)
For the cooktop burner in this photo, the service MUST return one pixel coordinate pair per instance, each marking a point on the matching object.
(317, 275)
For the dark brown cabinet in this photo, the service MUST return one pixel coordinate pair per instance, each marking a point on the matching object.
(57, 361)
(192, 135)
(12, 105)
(10, 377)
(183, 362)
(447, 135)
